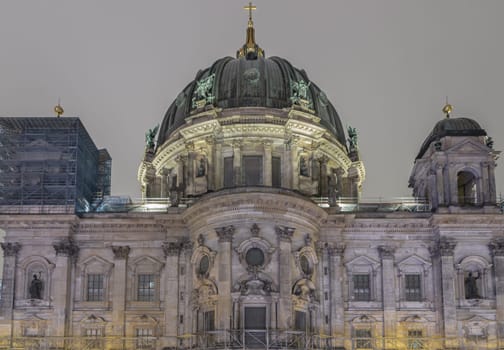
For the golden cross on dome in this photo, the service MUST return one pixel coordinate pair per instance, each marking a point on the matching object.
(250, 8)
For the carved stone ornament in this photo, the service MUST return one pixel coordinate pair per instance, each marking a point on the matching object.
(10, 249)
(171, 248)
(284, 233)
(254, 230)
(308, 240)
(225, 233)
(497, 247)
(336, 250)
(386, 252)
(446, 247)
(121, 252)
(66, 247)
(201, 240)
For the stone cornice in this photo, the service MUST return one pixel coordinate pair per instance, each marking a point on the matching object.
(126, 226)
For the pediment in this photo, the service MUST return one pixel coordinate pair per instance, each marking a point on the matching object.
(414, 260)
(362, 260)
(95, 260)
(364, 319)
(147, 263)
(415, 319)
(92, 319)
(476, 319)
(468, 147)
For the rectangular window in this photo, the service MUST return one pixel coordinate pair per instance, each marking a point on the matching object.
(95, 291)
(276, 172)
(361, 288)
(415, 339)
(363, 339)
(412, 288)
(209, 320)
(145, 338)
(228, 172)
(146, 287)
(252, 170)
(93, 336)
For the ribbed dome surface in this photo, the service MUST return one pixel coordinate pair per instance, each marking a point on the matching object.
(261, 82)
(452, 127)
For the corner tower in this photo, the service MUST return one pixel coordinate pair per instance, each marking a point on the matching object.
(455, 165)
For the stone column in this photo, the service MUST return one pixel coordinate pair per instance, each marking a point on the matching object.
(336, 294)
(210, 164)
(267, 175)
(189, 168)
(171, 251)
(491, 183)
(294, 163)
(453, 185)
(446, 249)
(389, 292)
(485, 188)
(323, 175)
(164, 187)
(218, 168)
(224, 315)
(181, 174)
(285, 313)
(119, 288)
(237, 163)
(66, 255)
(439, 185)
(497, 250)
(10, 251)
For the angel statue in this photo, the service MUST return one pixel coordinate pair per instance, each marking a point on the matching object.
(352, 138)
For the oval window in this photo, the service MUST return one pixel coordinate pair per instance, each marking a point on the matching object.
(305, 265)
(254, 257)
(204, 265)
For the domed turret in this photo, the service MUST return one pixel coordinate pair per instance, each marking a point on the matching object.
(455, 165)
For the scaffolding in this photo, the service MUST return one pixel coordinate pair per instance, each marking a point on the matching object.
(48, 163)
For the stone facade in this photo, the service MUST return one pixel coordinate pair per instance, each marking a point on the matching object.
(257, 247)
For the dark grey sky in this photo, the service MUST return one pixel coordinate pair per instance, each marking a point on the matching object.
(385, 65)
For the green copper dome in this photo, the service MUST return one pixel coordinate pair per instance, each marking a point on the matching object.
(260, 82)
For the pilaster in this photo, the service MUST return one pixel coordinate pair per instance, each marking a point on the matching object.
(497, 250)
(336, 294)
(119, 287)
(388, 288)
(66, 255)
(285, 313)
(225, 302)
(446, 250)
(171, 252)
(10, 252)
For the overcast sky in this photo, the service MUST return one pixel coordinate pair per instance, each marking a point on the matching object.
(385, 65)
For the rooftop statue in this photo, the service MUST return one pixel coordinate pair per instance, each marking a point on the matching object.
(203, 91)
(299, 92)
(149, 137)
(352, 139)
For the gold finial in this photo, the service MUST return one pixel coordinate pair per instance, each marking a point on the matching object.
(447, 109)
(58, 109)
(250, 50)
(250, 8)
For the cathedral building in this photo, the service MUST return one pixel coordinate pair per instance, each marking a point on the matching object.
(252, 234)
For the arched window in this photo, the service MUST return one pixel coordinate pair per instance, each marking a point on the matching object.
(466, 188)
